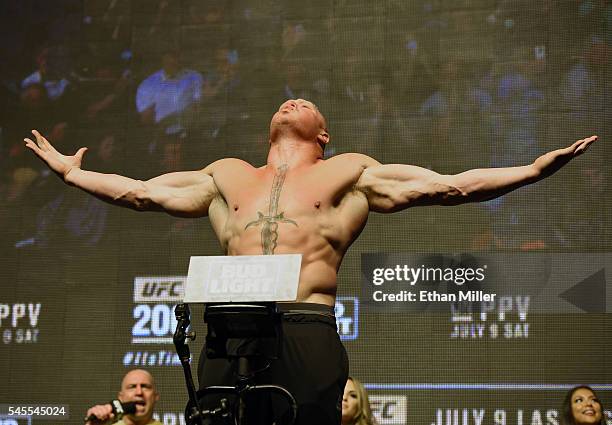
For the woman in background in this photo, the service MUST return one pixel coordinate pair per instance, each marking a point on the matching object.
(581, 406)
(356, 405)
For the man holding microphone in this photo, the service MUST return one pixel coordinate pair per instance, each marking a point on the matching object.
(138, 392)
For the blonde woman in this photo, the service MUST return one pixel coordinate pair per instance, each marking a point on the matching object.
(356, 405)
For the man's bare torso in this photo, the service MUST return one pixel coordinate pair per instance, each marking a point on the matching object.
(314, 210)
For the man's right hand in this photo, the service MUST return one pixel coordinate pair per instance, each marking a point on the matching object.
(103, 413)
(183, 194)
(58, 163)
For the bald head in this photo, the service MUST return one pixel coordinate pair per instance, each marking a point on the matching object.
(301, 118)
(138, 386)
(323, 121)
(138, 374)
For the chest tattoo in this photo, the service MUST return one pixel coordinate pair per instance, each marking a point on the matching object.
(269, 223)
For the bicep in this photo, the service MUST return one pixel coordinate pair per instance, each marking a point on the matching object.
(184, 194)
(394, 187)
(181, 179)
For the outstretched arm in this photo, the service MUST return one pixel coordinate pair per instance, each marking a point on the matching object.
(184, 194)
(394, 187)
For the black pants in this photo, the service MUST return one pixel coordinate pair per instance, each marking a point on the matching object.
(312, 366)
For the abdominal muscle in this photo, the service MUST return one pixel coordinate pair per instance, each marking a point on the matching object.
(319, 266)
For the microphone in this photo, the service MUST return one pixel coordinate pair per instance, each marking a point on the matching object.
(119, 409)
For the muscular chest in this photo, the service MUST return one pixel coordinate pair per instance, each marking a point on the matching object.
(292, 210)
(278, 198)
